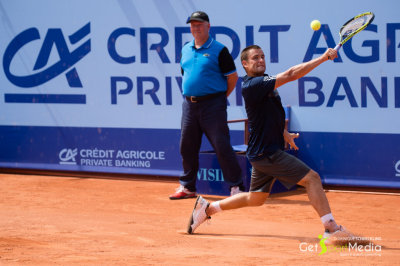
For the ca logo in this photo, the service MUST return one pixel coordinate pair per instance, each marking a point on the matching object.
(67, 156)
(397, 168)
(68, 59)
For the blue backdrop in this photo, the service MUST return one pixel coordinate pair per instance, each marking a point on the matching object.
(95, 85)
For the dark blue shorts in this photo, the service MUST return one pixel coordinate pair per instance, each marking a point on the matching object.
(281, 166)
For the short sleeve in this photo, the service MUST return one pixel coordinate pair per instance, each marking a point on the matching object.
(226, 63)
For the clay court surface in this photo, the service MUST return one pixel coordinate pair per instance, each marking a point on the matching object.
(47, 220)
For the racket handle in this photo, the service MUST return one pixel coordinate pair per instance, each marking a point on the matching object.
(338, 47)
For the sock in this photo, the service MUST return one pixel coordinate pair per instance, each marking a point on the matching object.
(326, 218)
(329, 222)
(214, 208)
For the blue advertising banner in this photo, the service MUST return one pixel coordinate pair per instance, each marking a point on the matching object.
(91, 149)
(353, 159)
(95, 85)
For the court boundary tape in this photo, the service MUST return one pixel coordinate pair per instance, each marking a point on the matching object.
(363, 192)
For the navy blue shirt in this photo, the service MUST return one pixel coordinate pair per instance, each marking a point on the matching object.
(266, 116)
(205, 69)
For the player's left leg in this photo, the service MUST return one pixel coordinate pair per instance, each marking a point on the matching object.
(316, 194)
(290, 171)
(317, 197)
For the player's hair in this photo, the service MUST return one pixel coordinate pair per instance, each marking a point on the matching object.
(244, 54)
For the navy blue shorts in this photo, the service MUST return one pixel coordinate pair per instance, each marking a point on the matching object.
(281, 166)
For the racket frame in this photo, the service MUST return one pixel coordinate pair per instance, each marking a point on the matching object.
(342, 41)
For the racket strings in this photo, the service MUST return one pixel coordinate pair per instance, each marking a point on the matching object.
(354, 25)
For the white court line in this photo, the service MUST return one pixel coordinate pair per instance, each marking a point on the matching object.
(363, 192)
(218, 237)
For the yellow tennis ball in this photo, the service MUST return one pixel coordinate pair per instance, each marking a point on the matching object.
(315, 24)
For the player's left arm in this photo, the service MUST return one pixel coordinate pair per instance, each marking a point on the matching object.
(300, 70)
(289, 138)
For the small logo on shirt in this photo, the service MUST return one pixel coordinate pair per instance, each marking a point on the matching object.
(206, 55)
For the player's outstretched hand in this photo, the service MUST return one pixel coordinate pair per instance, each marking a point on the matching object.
(289, 137)
(330, 53)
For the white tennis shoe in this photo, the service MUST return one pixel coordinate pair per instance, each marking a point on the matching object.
(235, 190)
(328, 234)
(199, 214)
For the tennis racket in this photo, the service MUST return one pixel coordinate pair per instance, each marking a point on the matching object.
(354, 26)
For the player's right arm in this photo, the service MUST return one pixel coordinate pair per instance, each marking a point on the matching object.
(300, 70)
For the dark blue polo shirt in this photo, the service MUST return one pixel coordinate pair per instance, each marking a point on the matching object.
(205, 69)
(266, 116)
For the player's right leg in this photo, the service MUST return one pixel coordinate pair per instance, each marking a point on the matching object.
(249, 199)
(203, 210)
(199, 214)
(259, 191)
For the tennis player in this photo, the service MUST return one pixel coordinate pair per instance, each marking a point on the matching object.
(266, 144)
